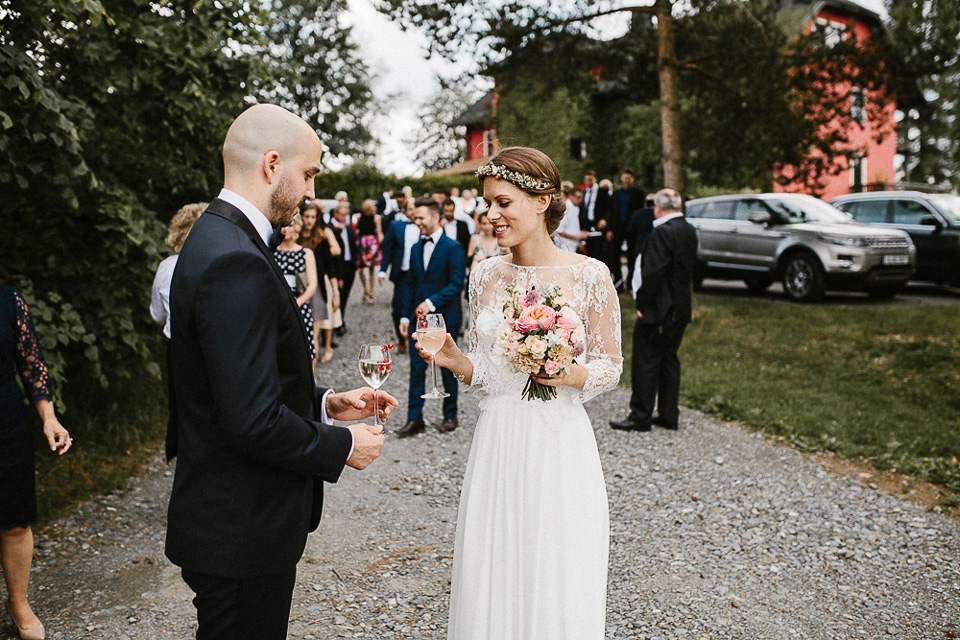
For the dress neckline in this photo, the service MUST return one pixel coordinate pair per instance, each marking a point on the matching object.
(503, 260)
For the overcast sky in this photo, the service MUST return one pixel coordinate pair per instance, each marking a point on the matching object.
(402, 71)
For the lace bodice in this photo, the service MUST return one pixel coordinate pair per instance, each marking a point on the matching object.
(587, 287)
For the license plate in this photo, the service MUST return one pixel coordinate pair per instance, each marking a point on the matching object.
(900, 259)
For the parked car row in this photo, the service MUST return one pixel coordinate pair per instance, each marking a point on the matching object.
(805, 243)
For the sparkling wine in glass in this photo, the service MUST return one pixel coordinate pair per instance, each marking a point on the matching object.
(375, 364)
(431, 334)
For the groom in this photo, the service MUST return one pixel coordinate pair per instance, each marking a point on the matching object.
(256, 440)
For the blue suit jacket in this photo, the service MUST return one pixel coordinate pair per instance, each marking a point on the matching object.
(442, 281)
(392, 248)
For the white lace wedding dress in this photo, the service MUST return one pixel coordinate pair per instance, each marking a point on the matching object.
(530, 561)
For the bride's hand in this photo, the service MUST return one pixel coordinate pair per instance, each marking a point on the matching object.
(446, 357)
(576, 378)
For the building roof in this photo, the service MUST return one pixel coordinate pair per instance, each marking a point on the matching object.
(807, 10)
(479, 113)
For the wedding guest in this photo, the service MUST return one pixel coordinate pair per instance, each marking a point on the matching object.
(325, 303)
(607, 185)
(20, 354)
(369, 236)
(385, 203)
(624, 202)
(437, 266)
(345, 263)
(455, 229)
(593, 214)
(180, 226)
(299, 267)
(568, 235)
(484, 244)
(638, 230)
(398, 241)
(664, 308)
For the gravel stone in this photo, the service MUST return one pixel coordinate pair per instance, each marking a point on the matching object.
(715, 533)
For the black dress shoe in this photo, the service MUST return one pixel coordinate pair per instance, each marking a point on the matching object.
(628, 425)
(412, 427)
(448, 425)
(662, 422)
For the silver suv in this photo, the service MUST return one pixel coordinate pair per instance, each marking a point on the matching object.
(804, 242)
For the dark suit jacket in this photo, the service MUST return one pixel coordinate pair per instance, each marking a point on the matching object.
(600, 210)
(442, 281)
(463, 234)
(392, 248)
(638, 230)
(342, 266)
(252, 455)
(666, 264)
(634, 202)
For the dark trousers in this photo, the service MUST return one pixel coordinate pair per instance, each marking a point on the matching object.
(349, 274)
(418, 374)
(256, 608)
(172, 440)
(655, 373)
(401, 290)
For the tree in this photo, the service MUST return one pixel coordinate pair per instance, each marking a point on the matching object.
(436, 143)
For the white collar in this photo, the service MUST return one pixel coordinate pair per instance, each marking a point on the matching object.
(254, 215)
(435, 236)
(670, 216)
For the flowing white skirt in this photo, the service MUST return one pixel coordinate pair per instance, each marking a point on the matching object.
(530, 561)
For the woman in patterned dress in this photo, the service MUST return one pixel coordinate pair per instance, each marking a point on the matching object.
(370, 235)
(295, 260)
(20, 353)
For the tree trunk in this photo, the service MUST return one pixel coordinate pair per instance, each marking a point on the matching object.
(669, 98)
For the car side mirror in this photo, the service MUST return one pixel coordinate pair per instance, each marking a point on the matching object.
(932, 221)
(760, 217)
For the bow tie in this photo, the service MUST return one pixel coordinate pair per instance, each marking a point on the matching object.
(275, 238)
(426, 239)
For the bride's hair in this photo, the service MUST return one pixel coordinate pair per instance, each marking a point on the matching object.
(538, 165)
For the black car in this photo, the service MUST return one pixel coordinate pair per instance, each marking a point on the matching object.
(932, 220)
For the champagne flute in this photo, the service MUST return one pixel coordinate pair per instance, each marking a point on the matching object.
(375, 364)
(431, 334)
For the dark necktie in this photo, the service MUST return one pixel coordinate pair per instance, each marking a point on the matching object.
(276, 238)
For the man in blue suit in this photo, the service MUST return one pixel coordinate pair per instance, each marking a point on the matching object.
(437, 270)
(398, 241)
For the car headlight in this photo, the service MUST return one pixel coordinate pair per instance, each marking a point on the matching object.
(844, 241)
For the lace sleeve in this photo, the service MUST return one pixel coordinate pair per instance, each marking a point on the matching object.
(30, 362)
(476, 292)
(604, 358)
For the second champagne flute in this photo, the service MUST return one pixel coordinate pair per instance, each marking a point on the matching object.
(431, 334)
(375, 364)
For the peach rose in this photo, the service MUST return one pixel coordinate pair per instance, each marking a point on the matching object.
(536, 346)
(551, 368)
(538, 317)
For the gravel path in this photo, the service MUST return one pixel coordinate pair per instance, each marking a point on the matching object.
(715, 533)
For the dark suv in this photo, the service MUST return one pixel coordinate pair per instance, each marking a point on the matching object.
(932, 220)
(804, 242)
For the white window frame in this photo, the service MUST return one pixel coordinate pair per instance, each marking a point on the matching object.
(488, 143)
(858, 105)
(858, 164)
(834, 32)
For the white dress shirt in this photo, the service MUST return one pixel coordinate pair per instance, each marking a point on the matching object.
(411, 235)
(345, 236)
(590, 200)
(569, 224)
(450, 228)
(391, 204)
(160, 296)
(428, 248)
(637, 275)
(265, 229)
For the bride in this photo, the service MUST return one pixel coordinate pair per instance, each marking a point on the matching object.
(530, 560)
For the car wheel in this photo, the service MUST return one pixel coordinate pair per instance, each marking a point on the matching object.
(758, 285)
(803, 279)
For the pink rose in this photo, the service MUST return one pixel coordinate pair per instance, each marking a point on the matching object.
(579, 341)
(568, 319)
(551, 368)
(533, 318)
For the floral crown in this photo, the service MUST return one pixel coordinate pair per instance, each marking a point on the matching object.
(517, 179)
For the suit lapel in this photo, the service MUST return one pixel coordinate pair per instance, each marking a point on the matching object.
(229, 212)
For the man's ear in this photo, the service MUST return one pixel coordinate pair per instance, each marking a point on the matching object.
(270, 165)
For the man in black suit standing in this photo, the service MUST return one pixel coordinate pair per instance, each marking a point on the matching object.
(346, 263)
(638, 230)
(623, 203)
(664, 308)
(385, 205)
(593, 214)
(437, 270)
(453, 228)
(255, 436)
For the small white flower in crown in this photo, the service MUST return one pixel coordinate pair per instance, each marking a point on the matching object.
(520, 180)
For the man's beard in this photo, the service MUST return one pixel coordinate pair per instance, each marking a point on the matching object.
(283, 203)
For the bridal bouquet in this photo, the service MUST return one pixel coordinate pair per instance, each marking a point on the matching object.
(539, 334)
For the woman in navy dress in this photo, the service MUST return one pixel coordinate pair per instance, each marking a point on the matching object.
(20, 353)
